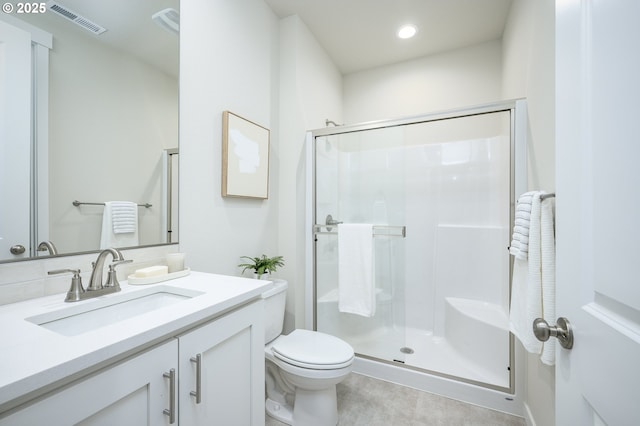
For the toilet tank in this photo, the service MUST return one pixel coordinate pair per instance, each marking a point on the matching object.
(275, 298)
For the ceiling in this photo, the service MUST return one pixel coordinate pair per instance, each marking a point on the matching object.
(360, 34)
(129, 27)
(356, 34)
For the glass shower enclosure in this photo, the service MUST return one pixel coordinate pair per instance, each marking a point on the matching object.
(438, 191)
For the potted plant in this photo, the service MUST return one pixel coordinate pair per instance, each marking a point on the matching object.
(261, 265)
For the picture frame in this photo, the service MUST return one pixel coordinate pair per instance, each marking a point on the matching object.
(245, 158)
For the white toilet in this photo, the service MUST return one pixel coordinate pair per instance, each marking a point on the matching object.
(302, 368)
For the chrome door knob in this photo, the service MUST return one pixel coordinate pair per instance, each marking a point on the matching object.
(562, 331)
(17, 249)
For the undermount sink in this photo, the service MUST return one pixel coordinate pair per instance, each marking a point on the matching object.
(110, 309)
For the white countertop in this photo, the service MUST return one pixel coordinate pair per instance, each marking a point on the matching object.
(34, 359)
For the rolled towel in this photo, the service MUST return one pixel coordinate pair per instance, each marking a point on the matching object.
(520, 240)
(521, 230)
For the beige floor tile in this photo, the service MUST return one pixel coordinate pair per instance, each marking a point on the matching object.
(364, 401)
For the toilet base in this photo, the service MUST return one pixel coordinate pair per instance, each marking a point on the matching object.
(280, 412)
(317, 408)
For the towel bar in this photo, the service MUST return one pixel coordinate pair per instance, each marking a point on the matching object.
(78, 203)
(378, 230)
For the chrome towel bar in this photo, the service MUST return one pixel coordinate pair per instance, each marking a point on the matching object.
(79, 203)
(378, 230)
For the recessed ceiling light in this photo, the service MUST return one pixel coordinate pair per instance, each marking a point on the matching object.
(407, 31)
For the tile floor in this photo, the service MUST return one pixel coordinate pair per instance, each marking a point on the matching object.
(364, 401)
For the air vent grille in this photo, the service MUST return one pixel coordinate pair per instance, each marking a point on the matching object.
(83, 22)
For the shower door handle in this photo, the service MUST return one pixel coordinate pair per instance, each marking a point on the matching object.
(330, 221)
(562, 331)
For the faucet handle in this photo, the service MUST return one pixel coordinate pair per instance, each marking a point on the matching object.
(76, 289)
(112, 278)
(62, 271)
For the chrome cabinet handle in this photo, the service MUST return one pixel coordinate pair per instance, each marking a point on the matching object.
(562, 331)
(171, 412)
(198, 392)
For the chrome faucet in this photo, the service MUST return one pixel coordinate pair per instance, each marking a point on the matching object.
(95, 282)
(48, 246)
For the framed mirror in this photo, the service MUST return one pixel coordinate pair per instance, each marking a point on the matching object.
(108, 130)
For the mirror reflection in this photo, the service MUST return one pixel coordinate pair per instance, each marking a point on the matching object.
(107, 132)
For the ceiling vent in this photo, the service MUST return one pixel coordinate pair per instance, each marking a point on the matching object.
(75, 18)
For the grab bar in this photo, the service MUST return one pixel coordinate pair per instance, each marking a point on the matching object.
(378, 230)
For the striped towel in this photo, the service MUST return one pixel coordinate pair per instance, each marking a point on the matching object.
(124, 217)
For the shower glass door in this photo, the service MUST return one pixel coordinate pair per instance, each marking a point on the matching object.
(360, 179)
(442, 291)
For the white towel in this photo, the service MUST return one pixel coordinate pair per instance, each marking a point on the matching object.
(520, 241)
(124, 215)
(119, 224)
(520, 318)
(533, 286)
(356, 292)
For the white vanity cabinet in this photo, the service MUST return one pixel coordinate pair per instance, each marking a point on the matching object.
(137, 391)
(133, 392)
(230, 353)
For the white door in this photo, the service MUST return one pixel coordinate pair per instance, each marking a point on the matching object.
(598, 210)
(15, 139)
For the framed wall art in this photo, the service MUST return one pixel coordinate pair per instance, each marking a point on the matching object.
(245, 158)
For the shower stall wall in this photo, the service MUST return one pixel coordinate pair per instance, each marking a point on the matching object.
(439, 191)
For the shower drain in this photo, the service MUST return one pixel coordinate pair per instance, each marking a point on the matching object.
(406, 350)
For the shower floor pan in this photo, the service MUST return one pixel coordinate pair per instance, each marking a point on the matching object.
(474, 347)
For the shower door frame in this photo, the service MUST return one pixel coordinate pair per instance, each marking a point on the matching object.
(517, 109)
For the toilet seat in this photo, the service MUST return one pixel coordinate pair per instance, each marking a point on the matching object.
(313, 350)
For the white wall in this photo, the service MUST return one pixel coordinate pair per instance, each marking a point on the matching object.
(277, 75)
(228, 61)
(528, 55)
(310, 92)
(462, 77)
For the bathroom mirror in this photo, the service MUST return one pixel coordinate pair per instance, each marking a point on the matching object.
(112, 132)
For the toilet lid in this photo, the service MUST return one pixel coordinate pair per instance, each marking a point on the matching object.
(312, 349)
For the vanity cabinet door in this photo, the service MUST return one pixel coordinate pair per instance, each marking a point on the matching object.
(231, 352)
(133, 392)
